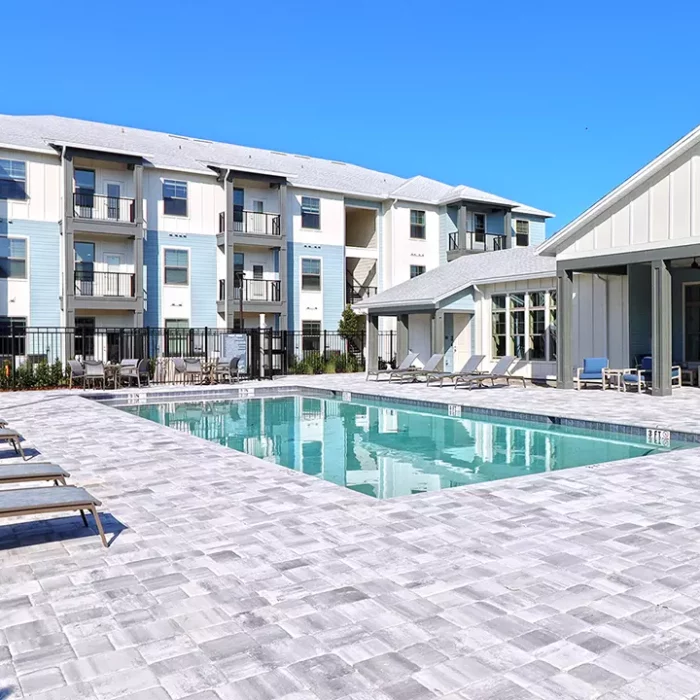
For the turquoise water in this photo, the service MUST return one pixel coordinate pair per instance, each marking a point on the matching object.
(386, 452)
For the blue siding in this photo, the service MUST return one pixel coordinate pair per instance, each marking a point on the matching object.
(333, 282)
(203, 283)
(448, 224)
(44, 251)
(538, 231)
(462, 301)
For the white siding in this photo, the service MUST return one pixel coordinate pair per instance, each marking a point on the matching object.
(332, 231)
(419, 336)
(44, 175)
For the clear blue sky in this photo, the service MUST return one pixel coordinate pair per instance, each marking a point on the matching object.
(550, 103)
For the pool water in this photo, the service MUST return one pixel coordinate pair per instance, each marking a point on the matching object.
(386, 452)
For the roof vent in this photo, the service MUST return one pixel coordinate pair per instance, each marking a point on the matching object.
(278, 153)
(338, 162)
(202, 140)
(303, 157)
(182, 138)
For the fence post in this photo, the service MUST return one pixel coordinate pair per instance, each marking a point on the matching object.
(325, 345)
(14, 361)
(148, 342)
(269, 350)
(206, 343)
(391, 346)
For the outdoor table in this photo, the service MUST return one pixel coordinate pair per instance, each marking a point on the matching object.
(609, 374)
(112, 372)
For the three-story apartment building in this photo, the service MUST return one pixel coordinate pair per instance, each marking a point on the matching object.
(104, 226)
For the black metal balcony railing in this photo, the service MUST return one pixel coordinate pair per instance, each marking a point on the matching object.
(104, 284)
(355, 293)
(477, 240)
(253, 290)
(101, 207)
(258, 223)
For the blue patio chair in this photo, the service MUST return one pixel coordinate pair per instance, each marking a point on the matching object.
(591, 372)
(641, 378)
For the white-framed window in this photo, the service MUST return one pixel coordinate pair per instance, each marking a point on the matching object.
(417, 270)
(13, 258)
(417, 223)
(174, 197)
(311, 274)
(311, 212)
(522, 232)
(176, 268)
(311, 336)
(13, 179)
(524, 324)
(479, 221)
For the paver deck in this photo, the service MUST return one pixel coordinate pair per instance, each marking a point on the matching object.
(229, 577)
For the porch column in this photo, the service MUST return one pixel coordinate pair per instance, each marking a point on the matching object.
(565, 310)
(372, 346)
(508, 229)
(437, 332)
(68, 291)
(401, 337)
(462, 227)
(283, 255)
(661, 328)
(230, 304)
(138, 245)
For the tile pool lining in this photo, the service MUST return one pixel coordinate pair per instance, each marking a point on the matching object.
(443, 407)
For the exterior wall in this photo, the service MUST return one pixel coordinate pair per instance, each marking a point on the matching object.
(44, 175)
(538, 228)
(332, 231)
(448, 224)
(419, 336)
(660, 213)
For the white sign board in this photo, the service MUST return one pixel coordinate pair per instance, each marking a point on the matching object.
(659, 438)
(454, 410)
(236, 345)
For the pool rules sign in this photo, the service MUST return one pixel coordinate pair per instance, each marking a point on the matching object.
(236, 345)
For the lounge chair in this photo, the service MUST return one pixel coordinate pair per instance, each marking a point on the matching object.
(405, 365)
(77, 373)
(501, 370)
(13, 437)
(32, 471)
(641, 378)
(189, 367)
(227, 370)
(591, 372)
(50, 499)
(94, 372)
(471, 366)
(430, 367)
(134, 370)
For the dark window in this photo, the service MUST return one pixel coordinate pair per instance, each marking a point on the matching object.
(522, 232)
(417, 270)
(13, 179)
(84, 192)
(12, 335)
(479, 227)
(311, 274)
(13, 258)
(311, 336)
(498, 325)
(176, 266)
(238, 265)
(417, 223)
(310, 212)
(552, 325)
(176, 337)
(174, 198)
(84, 344)
(538, 326)
(238, 197)
(84, 268)
(257, 272)
(517, 324)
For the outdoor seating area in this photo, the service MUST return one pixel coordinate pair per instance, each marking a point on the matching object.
(597, 371)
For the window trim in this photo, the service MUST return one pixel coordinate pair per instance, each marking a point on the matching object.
(522, 221)
(25, 278)
(422, 226)
(320, 274)
(26, 181)
(165, 266)
(318, 213)
(179, 199)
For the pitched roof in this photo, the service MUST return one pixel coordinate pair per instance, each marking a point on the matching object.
(170, 151)
(551, 245)
(428, 289)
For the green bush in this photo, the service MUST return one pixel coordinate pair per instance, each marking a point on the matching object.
(42, 374)
(58, 376)
(329, 367)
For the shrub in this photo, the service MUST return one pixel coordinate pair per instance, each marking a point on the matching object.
(57, 374)
(42, 374)
(330, 366)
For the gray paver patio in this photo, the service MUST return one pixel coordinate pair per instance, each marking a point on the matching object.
(235, 578)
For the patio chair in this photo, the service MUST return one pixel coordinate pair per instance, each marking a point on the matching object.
(13, 437)
(134, 370)
(227, 370)
(591, 372)
(77, 373)
(188, 367)
(49, 499)
(430, 367)
(471, 366)
(94, 372)
(32, 471)
(405, 365)
(501, 370)
(641, 377)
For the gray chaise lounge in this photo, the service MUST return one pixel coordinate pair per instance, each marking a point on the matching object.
(32, 471)
(470, 367)
(403, 367)
(501, 370)
(50, 499)
(13, 437)
(430, 367)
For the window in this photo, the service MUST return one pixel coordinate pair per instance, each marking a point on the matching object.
(12, 335)
(538, 326)
(524, 325)
(176, 266)
(311, 336)
(13, 258)
(176, 337)
(238, 201)
(174, 198)
(13, 179)
(84, 192)
(522, 232)
(417, 223)
(417, 270)
(479, 227)
(310, 212)
(498, 325)
(84, 340)
(258, 206)
(311, 274)
(238, 265)
(84, 268)
(257, 272)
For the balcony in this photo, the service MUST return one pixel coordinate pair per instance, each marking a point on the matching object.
(476, 241)
(252, 223)
(101, 207)
(254, 293)
(105, 290)
(355, 293)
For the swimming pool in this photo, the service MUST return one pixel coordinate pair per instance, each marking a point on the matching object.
(385, 451)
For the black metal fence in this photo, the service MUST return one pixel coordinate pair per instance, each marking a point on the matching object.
(269, 352)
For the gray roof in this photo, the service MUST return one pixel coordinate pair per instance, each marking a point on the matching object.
(170, 151)
(428, 289)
